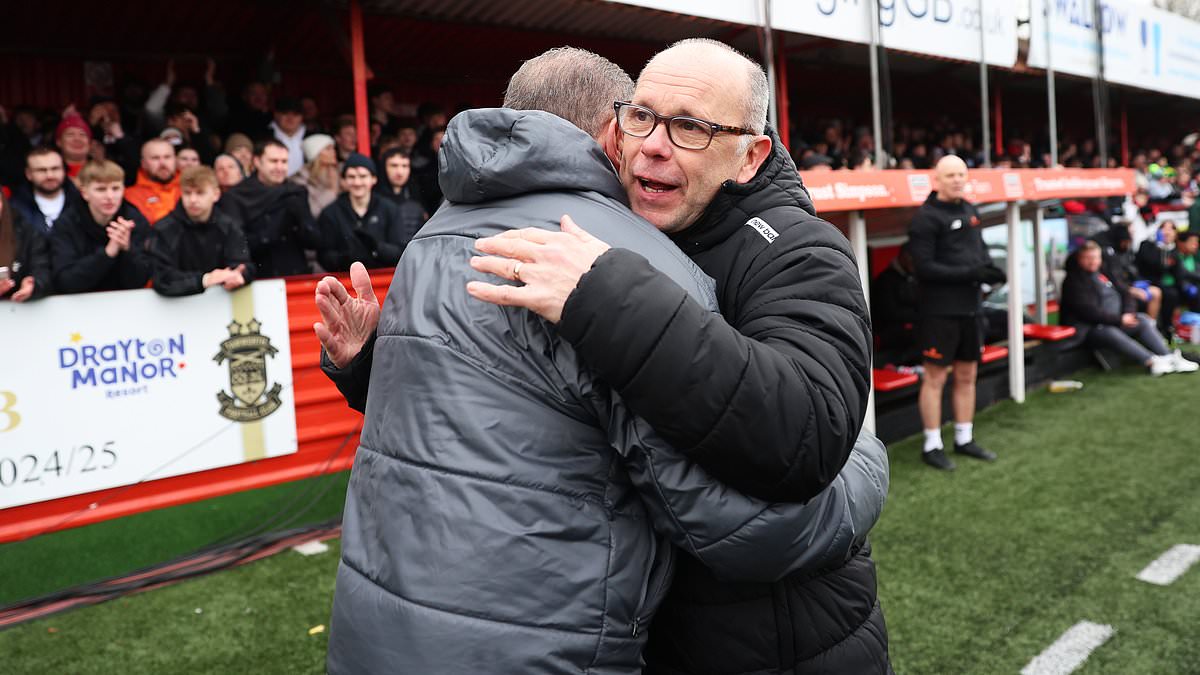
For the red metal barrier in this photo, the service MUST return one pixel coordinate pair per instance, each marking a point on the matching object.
(326, 429)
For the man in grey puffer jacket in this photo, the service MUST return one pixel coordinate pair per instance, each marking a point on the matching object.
(503, 504)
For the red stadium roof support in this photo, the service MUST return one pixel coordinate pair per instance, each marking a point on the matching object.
(781, 75)
(359, 63)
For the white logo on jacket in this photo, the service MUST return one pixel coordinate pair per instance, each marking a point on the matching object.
(764, 229)
(957, 224)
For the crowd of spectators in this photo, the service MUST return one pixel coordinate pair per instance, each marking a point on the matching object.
(290, 182)
(1166, 169)
(181, 188)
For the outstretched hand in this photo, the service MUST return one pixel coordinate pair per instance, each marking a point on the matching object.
(346, 323)
(548, 264)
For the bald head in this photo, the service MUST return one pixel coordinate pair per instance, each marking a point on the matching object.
(950, 178)
(717, 57)
(670, 184)
(158, 160)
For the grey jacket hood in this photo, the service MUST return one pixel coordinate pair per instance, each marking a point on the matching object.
(495, 153)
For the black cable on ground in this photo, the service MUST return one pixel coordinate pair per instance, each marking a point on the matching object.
(206, 561)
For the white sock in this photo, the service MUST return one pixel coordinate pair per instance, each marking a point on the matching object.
(933, 440)
(962, 433)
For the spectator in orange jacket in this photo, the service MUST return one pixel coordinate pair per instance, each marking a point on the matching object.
(157, 188)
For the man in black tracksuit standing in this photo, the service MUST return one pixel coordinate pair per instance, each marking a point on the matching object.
(952, 263)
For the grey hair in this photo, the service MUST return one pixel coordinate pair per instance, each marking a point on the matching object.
(758, 94)
(575, 84)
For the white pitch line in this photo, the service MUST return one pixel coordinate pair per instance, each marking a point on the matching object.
(313, 547)
(1170, 565)
(1069, 651)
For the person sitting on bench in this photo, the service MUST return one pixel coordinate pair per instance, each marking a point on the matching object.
(1102, 310)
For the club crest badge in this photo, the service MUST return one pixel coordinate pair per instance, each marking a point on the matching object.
(247, 350)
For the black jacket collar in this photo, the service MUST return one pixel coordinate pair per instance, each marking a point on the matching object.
(776, 184)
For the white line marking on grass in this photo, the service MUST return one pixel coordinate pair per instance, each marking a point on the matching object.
(311, 548)
(1069, 651)
(1170, 565)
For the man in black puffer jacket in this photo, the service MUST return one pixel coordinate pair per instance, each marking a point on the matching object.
(274, 214)
(195, 246)
(98, 243)
(768, 398)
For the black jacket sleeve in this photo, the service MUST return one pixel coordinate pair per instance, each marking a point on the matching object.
(39, 263)
(74, 269)
(303, 225)
(237, 252)
(332, 253)
(135, 268)
(169, 279)
(1079, 300)
(1149, 261)
(33, 250)
(353, 380)
(922, 242)
(771, 403)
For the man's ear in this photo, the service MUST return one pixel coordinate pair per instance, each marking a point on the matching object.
(756, 154)
(610, 140)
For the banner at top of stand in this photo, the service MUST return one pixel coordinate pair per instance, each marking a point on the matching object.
(942, 28)
(1143, 46)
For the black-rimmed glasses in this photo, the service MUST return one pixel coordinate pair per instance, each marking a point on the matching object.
(689, 133)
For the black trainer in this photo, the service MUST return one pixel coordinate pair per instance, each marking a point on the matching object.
(937, 459)
(970, 449)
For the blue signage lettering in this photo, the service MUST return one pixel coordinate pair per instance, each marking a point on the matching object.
(1082, 13)
(126, 361)
(940, 11)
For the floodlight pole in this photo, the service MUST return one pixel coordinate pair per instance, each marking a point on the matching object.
(983, 92)
(876, 114)
(1050, 96)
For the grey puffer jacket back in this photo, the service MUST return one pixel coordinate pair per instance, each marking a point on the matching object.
(503, 506)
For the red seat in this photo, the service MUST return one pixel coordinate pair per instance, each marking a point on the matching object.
(993, 353)
(1048, 333)
(891, 380)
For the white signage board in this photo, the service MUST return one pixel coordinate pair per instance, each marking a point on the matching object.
(943, 28)
(1143, 46)
(103, 390)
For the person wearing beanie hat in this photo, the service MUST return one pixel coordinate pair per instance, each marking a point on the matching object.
(229, 171)
(358, 160)
(319, 175)
(240, 147)
(313, 145)
(74, 138)
(361, 225)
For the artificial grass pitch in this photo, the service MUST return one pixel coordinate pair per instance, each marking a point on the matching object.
(980, 570)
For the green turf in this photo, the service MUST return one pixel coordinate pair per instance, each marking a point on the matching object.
(48, 563)
(252, 619)
(979, 570)
(982, 569)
